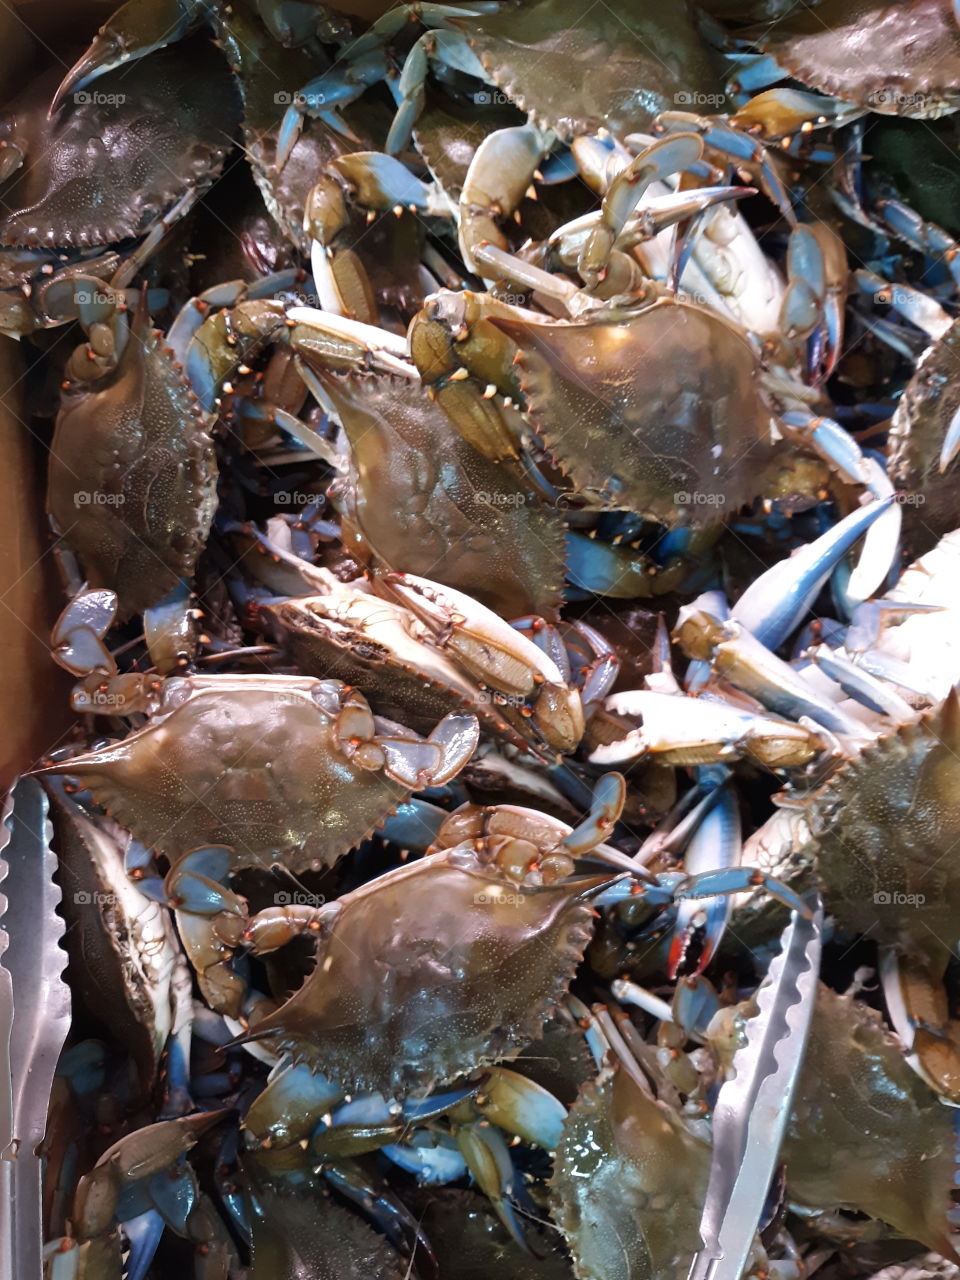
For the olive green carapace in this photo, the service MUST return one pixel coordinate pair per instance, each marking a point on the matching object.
(629, 1184)
(239, 762)
(866, 1133)
(923, 415)
(132, 482)
(431, 971)
(658, 411)
(427, 502)
(612, 66)
(886, 829)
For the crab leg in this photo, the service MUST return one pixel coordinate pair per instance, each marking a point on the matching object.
(715, 845)
(774, 604)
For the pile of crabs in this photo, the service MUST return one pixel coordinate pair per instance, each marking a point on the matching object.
(504, 467)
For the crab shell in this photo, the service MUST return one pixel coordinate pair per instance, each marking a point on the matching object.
(116, 159)
(865, 1132)
(537, 53)
(428, 503)
(885, 827)
(900, 59)
(629, 1184)
(132, 482)
(432, 970)
(922, 418)
(246, 761)
(658, 411)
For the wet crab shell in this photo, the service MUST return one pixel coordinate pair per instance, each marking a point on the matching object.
(900, 59)
(133, 476)
(884, 828)
(428, 503)
(657, 411)
(115, 159)
(866, 1133)
(536, 53)
(629, 1184)
(920, 424)
(244, 761)
(430, 971)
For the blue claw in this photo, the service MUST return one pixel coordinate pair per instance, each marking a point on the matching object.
(430, 1157)
(741, 880)
(144, 1234)
(174, 1196)
(715, 846)
(775, 603)
(414, 825)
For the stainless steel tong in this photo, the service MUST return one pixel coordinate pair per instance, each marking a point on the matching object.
(34, 1020)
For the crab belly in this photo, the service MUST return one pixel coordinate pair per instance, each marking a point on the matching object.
(431, 974)
(253, 770)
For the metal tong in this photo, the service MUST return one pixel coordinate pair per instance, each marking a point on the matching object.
(34, 1020)
(753, 1106)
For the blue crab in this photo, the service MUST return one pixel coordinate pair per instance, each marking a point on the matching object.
(66, 203)
(261, 762)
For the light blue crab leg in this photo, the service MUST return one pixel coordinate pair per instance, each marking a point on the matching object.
(584, 1020)
(608, 799)
(695, 1001)
(324, 96)
(739, 147)
(596, 566)
(925, 236)
(452, 49)
(632, 993)
(715, 845)
(391, 1216)
(859, 684)
(414, 824)
(752, 667)
(751, 71)
(144, 1233)
(434, 1164)
(775, 603)
(603, 671)
(742, 880)
(913, 304)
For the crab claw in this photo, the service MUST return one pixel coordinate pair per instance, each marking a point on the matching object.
(488, 1159)
(609, 796)
(775, 603)
(522, 1107)
(716, 844)
(78, 633)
